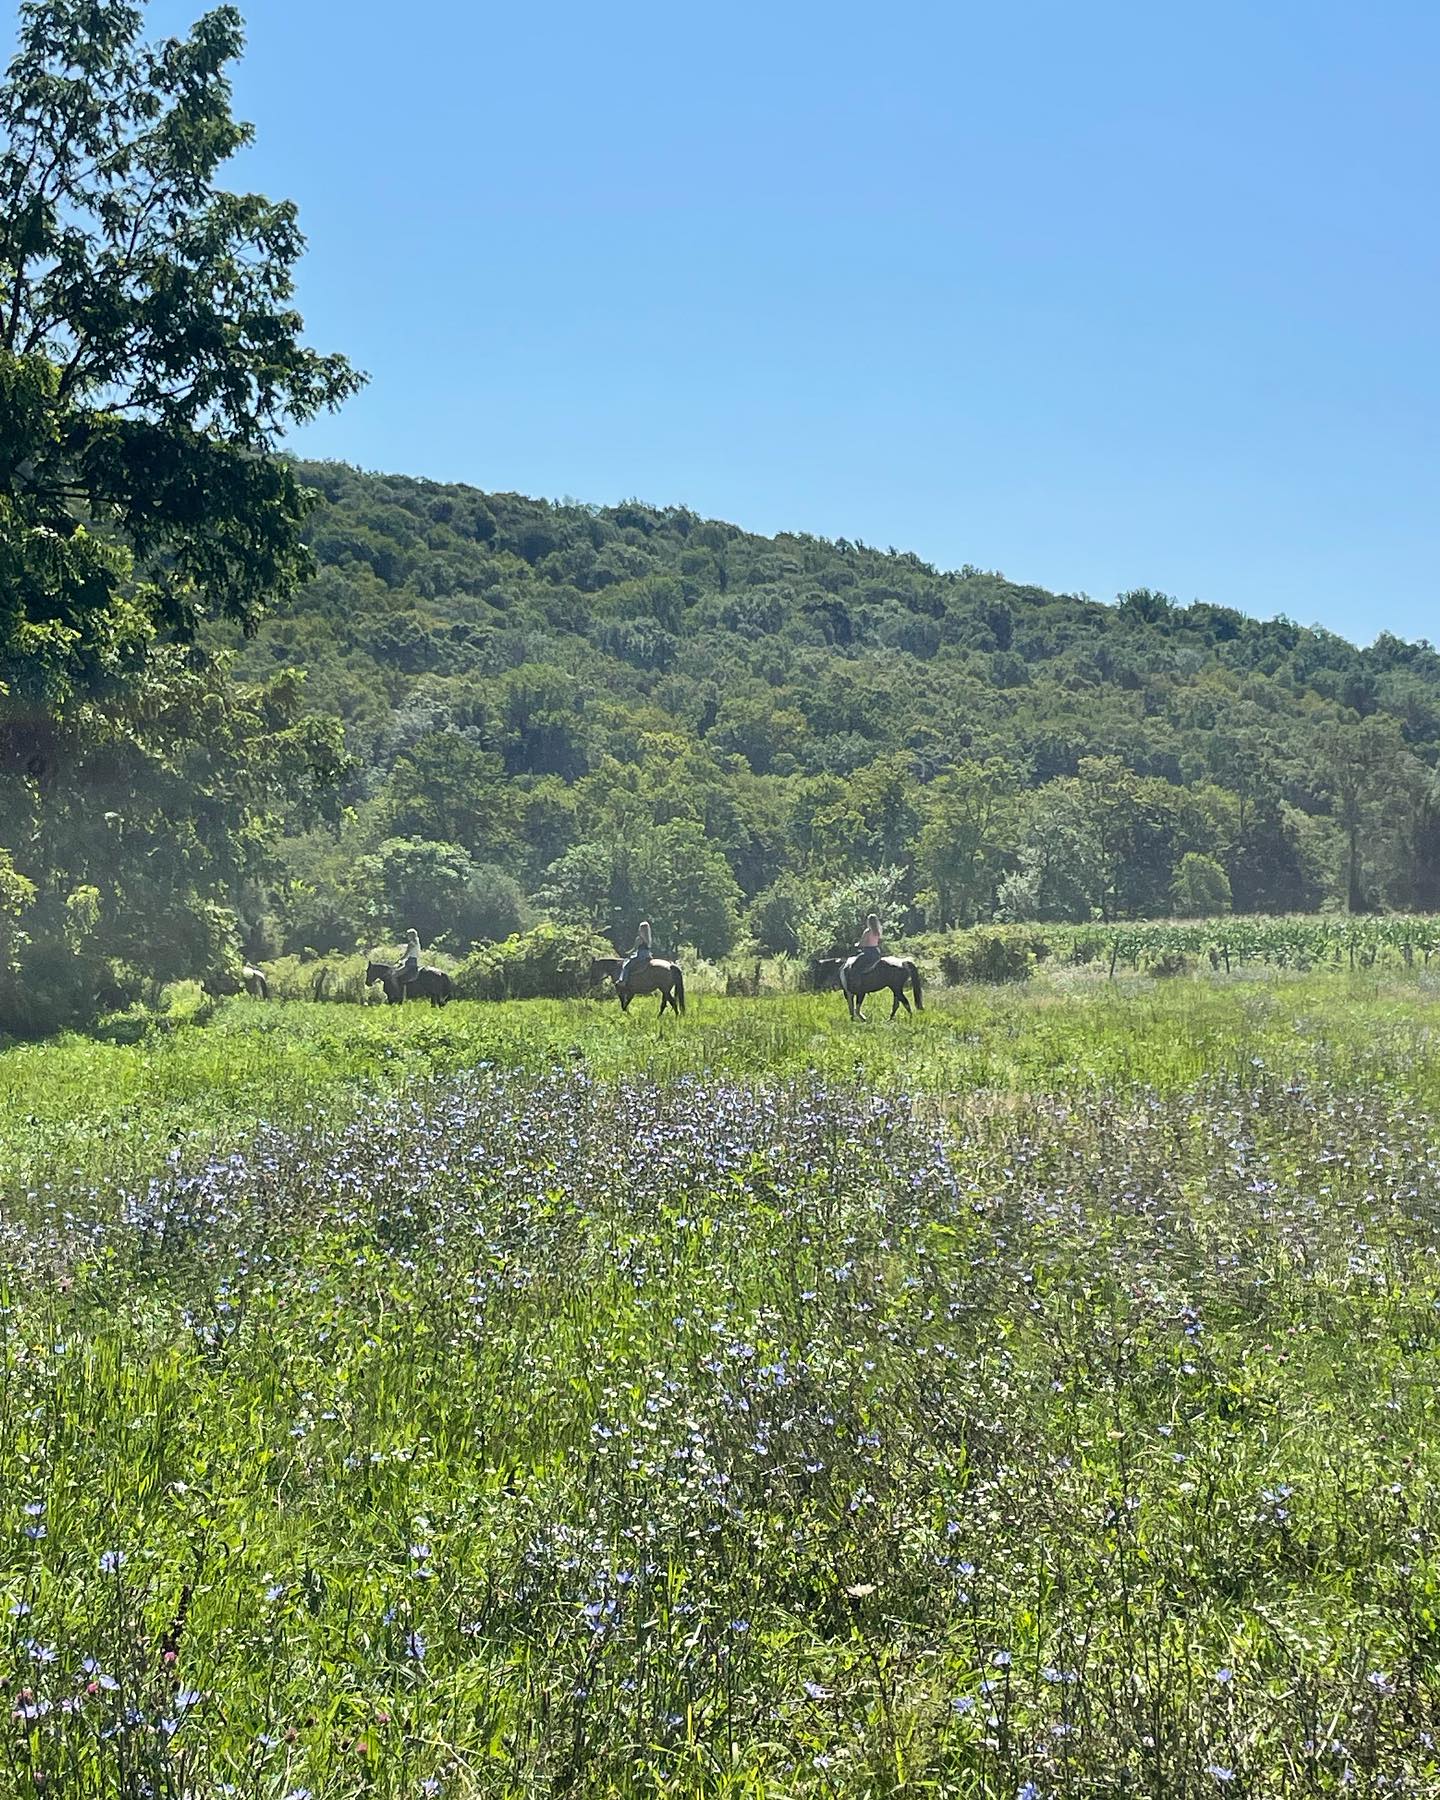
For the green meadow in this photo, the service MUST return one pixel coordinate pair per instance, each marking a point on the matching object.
(1033, 1397)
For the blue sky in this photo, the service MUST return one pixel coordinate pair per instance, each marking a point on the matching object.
(1099, 296)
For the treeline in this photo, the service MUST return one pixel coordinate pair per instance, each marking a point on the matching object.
(597, 713)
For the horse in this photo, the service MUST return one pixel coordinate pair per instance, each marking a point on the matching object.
(429, 984)
(893, 972)
(654, 977)
(219, 986)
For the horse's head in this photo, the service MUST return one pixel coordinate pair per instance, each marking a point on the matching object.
(827, 971)
(376, 972)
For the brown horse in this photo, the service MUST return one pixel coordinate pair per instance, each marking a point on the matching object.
(654, 977)
(892, 972)
(429, 984)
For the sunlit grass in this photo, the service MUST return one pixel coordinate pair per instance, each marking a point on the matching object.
(525, 1399)
(82, 1106)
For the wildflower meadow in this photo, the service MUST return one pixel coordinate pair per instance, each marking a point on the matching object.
(1037, 1397)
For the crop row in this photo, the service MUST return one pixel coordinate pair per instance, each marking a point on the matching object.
(1230, 942)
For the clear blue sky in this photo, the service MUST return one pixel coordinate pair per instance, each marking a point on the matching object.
(1098, 295)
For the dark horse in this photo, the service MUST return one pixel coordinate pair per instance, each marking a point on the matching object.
(433, 985)
(655, 977)
(892, 972)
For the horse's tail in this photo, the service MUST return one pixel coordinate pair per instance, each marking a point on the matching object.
(447, 987)
(915, 984)
(679, 987)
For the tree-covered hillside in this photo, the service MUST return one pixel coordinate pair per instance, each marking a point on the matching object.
(603, 712)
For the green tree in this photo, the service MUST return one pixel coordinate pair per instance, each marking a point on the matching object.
(16, 897)
(541, 710)
(1201, 887)
(969, 826)
(1363, 766)
(142, 839)
(447, 788)
(1132, 821)
(870, 821)
(1060, 871)
(777, 917)
(150, 356)
(407, 881)
(149, 353)
(670, 874)
(836, 913)
(492, 907)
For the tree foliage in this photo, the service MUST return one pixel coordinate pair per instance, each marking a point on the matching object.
(149, 349)
(150, 355)
(586, 680)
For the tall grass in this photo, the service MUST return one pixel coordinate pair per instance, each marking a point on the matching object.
(1035, 1398)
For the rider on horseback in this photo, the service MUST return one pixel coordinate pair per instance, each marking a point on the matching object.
(408, 966)
(642, 953)
(867, 951)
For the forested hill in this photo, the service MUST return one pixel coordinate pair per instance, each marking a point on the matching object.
(609, 710)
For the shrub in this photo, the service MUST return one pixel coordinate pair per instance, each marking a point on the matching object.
(318, 978)
(1169, 963)
(743, 984)
(994, 956)
(54, 988)
(551, 962)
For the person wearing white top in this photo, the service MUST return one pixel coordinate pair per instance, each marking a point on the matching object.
(409, 965)
(640, 955)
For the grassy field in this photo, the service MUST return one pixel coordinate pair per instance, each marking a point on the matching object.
(1037, 1397)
